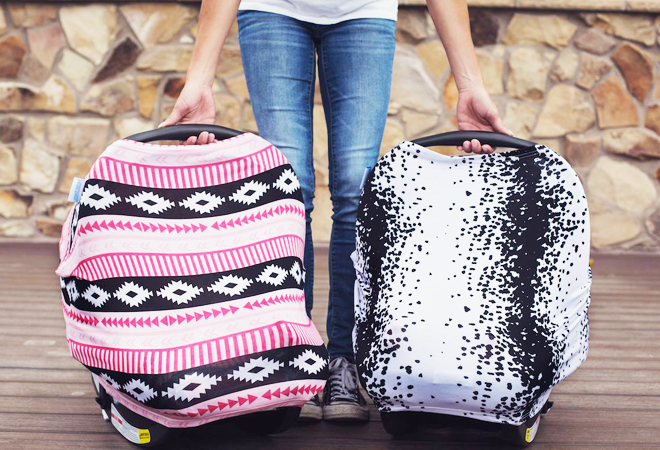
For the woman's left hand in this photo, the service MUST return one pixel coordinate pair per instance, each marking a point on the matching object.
(477, 111)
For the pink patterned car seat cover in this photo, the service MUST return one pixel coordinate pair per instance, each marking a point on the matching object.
(182, 281)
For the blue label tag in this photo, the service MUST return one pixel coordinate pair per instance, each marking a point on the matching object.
(76, 189)
(365, 175)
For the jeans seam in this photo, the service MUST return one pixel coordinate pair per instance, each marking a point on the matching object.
(310, 110)
(329, 118)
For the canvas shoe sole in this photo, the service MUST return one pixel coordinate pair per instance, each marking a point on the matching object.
(341, 411)
(311, 412)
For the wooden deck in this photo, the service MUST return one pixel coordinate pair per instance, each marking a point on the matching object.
(613, 401)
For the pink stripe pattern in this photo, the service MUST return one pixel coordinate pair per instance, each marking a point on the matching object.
(111, 169)
(112, 265)
(277, 335)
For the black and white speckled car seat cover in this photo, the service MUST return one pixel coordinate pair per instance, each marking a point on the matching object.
(473, 281)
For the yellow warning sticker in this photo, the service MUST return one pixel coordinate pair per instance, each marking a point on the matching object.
(144, 435)
(530, 433)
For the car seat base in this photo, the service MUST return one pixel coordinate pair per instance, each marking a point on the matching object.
(269, 422)
(133, 427)
(402, 423)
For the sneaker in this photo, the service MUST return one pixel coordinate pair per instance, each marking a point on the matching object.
(341, 397)
(311, 411)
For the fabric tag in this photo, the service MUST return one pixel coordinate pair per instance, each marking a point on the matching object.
(76, 189)
(365, 175)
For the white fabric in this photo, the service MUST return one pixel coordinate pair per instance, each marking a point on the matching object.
(326, 12)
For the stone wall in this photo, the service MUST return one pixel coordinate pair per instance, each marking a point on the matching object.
(74, 77)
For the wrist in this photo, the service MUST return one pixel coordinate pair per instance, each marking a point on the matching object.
(201, 75)
(469, 84)
(198, 80)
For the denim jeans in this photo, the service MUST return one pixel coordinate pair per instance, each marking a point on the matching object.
(355, 69)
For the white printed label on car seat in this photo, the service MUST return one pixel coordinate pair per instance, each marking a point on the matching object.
(530, 433)
(76, 189)
(131, 433)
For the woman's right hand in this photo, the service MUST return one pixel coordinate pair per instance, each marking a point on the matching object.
(194, 105)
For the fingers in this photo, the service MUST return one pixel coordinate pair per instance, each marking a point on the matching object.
(498, 125)
(204, 138)
(175, 116)
(475, 146)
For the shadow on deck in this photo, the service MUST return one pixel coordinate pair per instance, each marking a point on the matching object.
(612, 401)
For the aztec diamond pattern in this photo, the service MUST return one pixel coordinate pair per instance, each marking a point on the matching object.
(308, 361)
(250, 192)
(230, 285)
(95, 295)
(175, 318)
(132, 294)
(256, 370)
(202, 202)
(98, 198)
(287, 182)
(168, 293)
(192, 386)
(150, 202)
(179, 292)
(110, 381)
(296, 272)
(273, 275)
(139, 390)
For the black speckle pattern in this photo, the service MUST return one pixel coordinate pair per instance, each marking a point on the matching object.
(473, 281)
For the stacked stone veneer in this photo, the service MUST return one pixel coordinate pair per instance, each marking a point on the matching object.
(74, 77)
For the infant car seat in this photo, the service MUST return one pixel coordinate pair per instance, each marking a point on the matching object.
(182, 278)
(473, 282)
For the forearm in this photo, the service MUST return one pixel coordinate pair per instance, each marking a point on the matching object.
(452, 23)
(215, 19)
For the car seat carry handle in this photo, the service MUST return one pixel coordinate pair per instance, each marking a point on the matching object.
(183, 132)
(456, 138)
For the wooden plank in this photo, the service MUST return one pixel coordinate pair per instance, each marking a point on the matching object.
(624, 375)
(618, 325)
(18, 330)
(549, 432)
(59, 362)
(612, 403)
(652, 387)
(45, 389)
(28, 342)
(41, 375)
(49, 405)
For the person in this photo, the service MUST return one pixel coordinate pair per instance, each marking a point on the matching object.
(353, 40)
